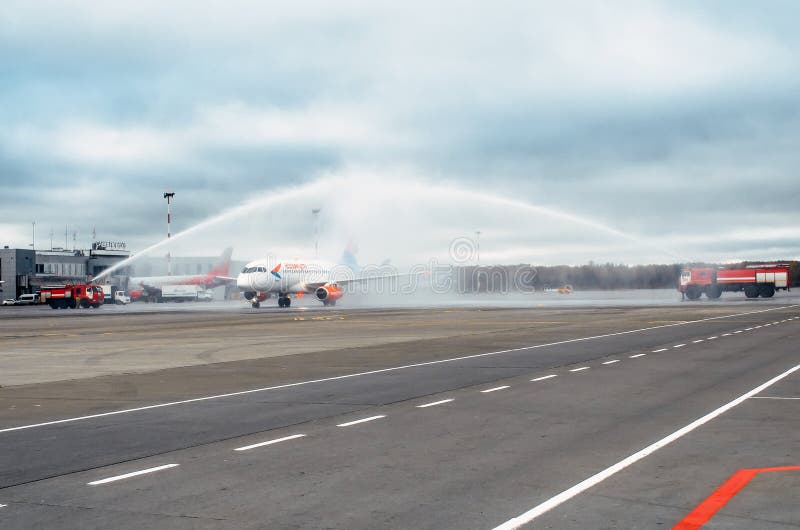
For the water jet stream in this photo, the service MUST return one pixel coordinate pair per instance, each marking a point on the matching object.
(337, 186)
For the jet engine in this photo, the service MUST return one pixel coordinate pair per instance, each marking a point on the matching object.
(328, 294)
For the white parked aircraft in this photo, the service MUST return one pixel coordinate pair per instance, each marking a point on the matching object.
(218, 275)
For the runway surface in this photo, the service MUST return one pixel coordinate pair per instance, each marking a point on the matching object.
(454, 417)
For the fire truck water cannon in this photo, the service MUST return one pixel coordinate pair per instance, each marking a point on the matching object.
(755, 280)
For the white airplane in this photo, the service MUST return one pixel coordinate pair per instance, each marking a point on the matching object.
(261, 279)
(218, 275)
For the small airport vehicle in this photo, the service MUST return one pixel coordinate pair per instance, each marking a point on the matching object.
(9, 301)
(111, 295)
(71, 296)
(121, 297)
(755, 280)
(28, 299)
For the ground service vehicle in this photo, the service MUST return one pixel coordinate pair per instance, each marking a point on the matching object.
(28, 299)
(181, 293)
(111, 295)
(755, 280)
(72, 296)
(121, 297)
(9, 301)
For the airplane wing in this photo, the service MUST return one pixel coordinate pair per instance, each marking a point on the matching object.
(364, 279)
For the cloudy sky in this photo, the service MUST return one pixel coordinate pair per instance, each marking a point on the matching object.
(636, 131)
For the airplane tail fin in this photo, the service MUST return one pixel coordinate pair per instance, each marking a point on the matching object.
(223, 267)
(349, 256)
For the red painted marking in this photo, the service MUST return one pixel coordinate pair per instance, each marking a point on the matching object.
(706, 509)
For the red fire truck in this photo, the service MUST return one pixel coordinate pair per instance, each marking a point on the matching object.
(755, 280)
(72, 296)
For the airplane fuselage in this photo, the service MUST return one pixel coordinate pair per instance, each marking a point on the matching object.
(265, 277)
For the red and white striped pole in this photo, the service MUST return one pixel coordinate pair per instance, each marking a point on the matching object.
(169, 195)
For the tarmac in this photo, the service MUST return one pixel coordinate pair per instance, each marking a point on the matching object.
(475, 416)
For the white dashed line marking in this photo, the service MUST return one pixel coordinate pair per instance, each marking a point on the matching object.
(713, 338)
(442, 402)
(726, 334)
(3, 505)
(362, 420)
(544, 377)
(679, 345)
(638, 355)
(495, 389)
(776, 322)
(129, 475)
(698, 341)
(748, 329)
(758, 327)
(612, 361)
(738, 331)
(270, 442)
(660, 350)
(579, 369)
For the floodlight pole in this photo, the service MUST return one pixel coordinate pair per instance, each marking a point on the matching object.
(315, 213)
(478, 247)
(169, 195)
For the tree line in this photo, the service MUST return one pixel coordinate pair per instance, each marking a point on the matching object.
(597, 276)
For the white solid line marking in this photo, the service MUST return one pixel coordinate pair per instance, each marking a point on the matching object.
(270, 442)
(713, 338)
(638, 355)
(544, 377)
(495, 389)
(442, 402)
(773, 397)
(612, 361)
(579, 369)
(660, 350)
(383, 370)
(362, 420)
(679, 345)
(698, 341)
(584, 485)
(129, 475)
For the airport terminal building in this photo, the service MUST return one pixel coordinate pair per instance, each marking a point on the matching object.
(26, 271)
